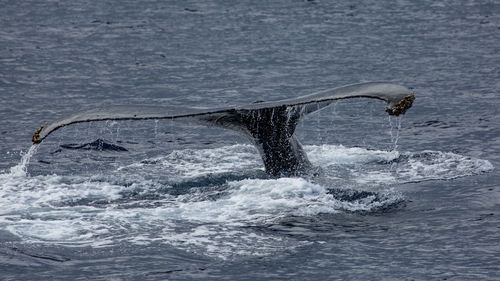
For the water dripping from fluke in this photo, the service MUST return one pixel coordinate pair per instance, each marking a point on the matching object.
(20, 170)
(395, 136)
(269, 126)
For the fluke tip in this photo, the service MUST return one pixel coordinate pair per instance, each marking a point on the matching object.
(36, 136)
(401, 106)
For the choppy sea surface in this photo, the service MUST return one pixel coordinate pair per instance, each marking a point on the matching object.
(415, 197)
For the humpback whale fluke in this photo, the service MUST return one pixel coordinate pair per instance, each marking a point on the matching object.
(270, 126)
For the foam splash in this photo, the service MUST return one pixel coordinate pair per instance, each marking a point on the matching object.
(337, 161)
(329, 155)
(20, 170)
(257, 201)
(212, 218)
(436, 165)
(192, 163)
(377, 167)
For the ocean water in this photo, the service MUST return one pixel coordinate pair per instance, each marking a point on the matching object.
(415, 197)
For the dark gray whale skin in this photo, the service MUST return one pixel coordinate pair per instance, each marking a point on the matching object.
(270, 126)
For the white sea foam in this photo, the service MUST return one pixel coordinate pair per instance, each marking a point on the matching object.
(224, 242)
(256, 200)
(190, 163)
(436, 165)
(325, 155)
(97, 211)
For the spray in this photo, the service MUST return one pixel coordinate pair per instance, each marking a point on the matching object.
(20, 170)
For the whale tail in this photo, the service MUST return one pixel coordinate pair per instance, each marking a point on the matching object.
(270, 126)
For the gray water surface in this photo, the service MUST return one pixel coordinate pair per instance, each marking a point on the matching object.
(409, 198)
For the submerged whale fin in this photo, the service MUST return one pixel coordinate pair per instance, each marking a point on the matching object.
(270, 126)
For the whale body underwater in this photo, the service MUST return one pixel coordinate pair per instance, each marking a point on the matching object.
(269, 126)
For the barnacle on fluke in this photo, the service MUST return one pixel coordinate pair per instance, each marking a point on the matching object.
(36, 136)
(401, 106)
